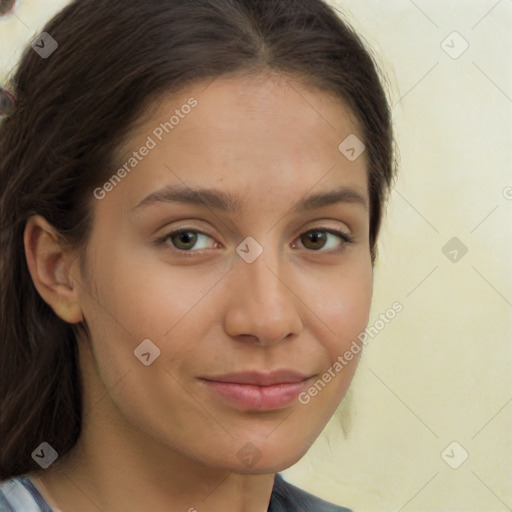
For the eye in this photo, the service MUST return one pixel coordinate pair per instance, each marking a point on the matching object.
(184, 240)
(318, 238)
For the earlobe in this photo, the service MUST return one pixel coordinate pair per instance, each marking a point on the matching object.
(50, 266)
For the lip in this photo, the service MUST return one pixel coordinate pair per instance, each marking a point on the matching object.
(258, 391)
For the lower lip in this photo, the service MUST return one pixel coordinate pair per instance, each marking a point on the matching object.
(257, 397)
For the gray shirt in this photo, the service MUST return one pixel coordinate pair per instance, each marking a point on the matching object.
(21, 495)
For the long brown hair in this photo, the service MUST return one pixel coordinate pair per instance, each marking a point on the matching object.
(76, 107)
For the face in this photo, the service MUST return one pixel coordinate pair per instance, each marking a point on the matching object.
(246, 295)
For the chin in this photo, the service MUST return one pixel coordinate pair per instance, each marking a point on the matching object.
(272, 458)
(272, 465)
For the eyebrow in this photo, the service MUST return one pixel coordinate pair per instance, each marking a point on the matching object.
(226, 202)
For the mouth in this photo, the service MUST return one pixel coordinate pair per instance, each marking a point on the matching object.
(257, 391)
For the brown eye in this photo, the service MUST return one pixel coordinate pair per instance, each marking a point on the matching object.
(314, 239)
(317, 239)
(187, 238)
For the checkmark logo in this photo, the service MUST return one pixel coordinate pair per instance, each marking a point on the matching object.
(454, 249)
(45, 455)
(146, 352)
(454, 45)
(249, 455)
(249, 249)
(351, 147)
(454, 455)
(44, 45)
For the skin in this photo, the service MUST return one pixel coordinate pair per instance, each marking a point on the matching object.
(154, 437)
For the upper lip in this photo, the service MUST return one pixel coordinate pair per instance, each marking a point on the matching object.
(261, 379)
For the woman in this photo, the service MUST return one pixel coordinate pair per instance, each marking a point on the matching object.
(191, 198)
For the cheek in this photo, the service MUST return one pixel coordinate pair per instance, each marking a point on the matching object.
(343, 306)
(139, 297)
(355, 303)
(344, 311)
(144, 295)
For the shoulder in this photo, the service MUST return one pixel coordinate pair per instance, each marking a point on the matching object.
(19, 494)
(289, 498)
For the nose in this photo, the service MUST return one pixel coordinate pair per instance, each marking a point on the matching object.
(263, 305)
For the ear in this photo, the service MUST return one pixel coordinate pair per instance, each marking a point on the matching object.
(50, 266)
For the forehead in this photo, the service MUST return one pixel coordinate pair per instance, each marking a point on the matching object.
(262, 132)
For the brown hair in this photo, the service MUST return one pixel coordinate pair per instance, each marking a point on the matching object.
(76, 107)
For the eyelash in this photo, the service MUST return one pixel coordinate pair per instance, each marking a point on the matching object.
(345, 239)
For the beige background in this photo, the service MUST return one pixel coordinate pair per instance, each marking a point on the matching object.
(439, 372)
